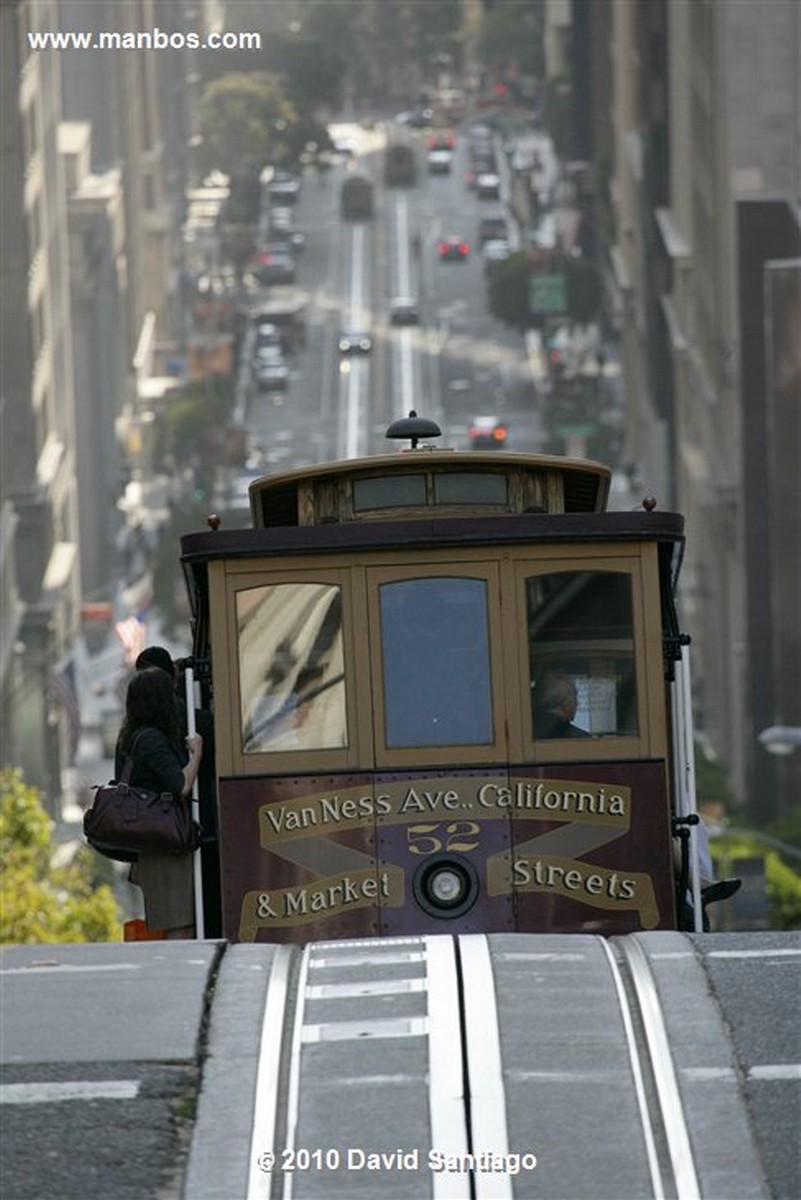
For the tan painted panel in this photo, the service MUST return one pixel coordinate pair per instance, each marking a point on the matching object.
(504, 569)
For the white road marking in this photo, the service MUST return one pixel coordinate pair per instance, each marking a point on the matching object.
(754, 953)
(403, 274)
(354, 424)
(776, 1071)
(75, 1089)
(381, 1027)
(65, 968)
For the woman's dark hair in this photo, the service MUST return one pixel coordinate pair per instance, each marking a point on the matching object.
(150, 703)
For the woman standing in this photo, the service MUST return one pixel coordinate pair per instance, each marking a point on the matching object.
(151, 734)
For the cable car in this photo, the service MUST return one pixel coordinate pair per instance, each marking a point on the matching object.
(449, 696)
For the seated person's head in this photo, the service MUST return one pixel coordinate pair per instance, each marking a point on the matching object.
(559, 696)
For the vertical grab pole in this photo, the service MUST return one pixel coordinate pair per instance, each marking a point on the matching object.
(686, 776)
(200, 924)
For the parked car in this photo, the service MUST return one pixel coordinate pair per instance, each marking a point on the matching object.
(289, 236)
(284, 186)
(267, 334)
(493, 227)
(267, 354)
(280, 217)
(275, 265)
(271, 373)
(496, 250)
(416, 120)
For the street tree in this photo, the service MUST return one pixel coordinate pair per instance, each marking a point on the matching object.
(245, 123)
(41, 903)
(508, 291)
(511, 38)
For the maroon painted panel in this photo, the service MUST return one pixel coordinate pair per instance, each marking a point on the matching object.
(574, 848)
(298, 858)
(592, 848)
(436, 821)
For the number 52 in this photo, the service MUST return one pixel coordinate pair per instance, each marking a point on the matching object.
(427, 839)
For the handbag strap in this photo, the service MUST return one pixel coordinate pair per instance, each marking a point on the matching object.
(128, 766)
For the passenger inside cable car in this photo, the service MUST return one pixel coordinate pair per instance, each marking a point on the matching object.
(555, 706)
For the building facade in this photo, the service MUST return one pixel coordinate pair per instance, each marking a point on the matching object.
(41, 563)
(699, 178)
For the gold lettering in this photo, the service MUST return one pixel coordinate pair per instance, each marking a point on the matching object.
(412, 801)
(597, 887)
(295, 902)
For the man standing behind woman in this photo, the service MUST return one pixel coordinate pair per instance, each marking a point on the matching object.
(163, 761)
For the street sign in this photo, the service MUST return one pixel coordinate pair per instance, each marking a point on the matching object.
(547, 294)
(575, 430)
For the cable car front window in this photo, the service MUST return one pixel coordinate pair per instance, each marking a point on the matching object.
(581, 654)
(291, 667)
(436, 662)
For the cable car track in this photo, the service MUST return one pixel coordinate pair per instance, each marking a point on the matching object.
(480, 1068)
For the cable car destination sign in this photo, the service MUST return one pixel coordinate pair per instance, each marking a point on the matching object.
(353, 850)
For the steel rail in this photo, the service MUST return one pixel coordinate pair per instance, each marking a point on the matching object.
(265, 1103)
(636, 1071)
(664, 1074)
(447, 1083)
(293, 1086)
(487, 1098)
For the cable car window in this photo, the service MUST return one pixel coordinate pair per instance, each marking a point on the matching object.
(436, 662)
(470, 487)
(581, 654)
(291, 667)
(398, 491)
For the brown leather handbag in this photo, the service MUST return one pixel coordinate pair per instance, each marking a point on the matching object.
(125, 821)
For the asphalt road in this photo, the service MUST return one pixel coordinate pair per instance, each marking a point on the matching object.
(168, 1069)
(456, 364)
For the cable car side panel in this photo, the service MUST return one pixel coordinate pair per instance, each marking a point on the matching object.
(571, 849)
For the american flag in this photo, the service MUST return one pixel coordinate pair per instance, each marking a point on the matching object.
(133, 634)
(63, 693)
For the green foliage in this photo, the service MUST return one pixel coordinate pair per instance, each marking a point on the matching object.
(711, 787)
(508, 291)
(512, 36)
(788, 830)
(371, 40)
(40, 903)
(783, 883)
(190, 419)
(245, 123)
(169, 589)
(194, 432)
(310, 68)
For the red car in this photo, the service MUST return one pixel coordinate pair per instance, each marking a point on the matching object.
(453, 248)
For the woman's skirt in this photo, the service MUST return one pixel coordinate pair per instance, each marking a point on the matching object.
(167, 883)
